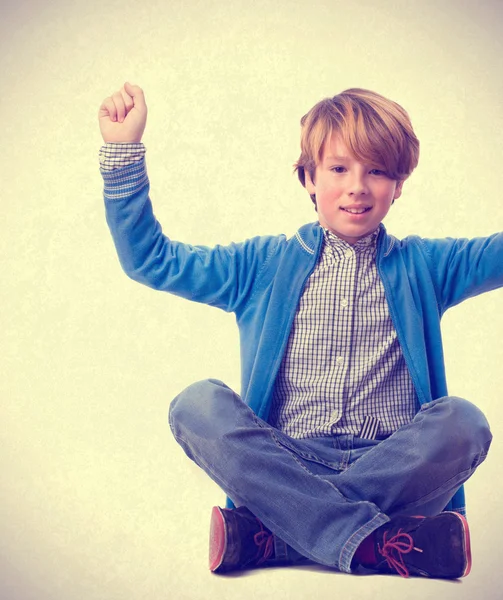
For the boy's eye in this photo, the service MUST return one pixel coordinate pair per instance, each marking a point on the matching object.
(377, 172)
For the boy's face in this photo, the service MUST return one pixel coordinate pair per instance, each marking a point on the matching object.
(352, 198)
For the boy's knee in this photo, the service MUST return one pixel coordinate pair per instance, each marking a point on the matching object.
(463, 421)
(467, 414)
(195, 393)
(475, 423)
(196, 407)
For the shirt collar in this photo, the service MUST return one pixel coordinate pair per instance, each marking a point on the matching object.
(337, 244)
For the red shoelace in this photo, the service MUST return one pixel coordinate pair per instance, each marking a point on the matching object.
(394, 549)
(264, 541)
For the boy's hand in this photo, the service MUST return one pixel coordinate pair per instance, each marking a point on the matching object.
(123, 115)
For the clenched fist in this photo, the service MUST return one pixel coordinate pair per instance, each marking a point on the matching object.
(123, 115)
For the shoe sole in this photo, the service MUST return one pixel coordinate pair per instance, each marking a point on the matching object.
(218, 539)
(467, 547)
(465, 543)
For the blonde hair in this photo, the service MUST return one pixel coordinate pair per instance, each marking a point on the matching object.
(376, 130)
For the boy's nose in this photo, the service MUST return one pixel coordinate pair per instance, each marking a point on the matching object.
(357, 186)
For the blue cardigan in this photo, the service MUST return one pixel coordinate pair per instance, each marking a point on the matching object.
(261, 281)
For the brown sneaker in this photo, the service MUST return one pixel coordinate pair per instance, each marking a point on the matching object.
(238, 540)
(437, 547)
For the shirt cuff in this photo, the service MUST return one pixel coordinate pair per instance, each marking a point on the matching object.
(116, 155)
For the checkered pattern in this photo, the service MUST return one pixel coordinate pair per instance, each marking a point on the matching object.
(343, 371)
(115, 155)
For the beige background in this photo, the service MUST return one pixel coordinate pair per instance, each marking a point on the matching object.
(97, 500)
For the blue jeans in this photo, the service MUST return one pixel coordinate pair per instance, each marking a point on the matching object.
(324, 496)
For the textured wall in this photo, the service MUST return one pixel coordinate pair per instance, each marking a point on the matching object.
(97, 500)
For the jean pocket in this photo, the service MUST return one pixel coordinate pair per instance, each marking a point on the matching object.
(309, 459)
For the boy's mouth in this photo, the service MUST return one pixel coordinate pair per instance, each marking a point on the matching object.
(356, 211)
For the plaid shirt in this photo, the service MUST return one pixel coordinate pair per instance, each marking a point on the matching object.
(343, 371)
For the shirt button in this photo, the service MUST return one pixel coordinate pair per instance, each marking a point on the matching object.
(339, 360)
(348, 253)
(344, 303)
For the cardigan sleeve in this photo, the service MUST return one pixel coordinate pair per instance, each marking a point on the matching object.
(222, 276)
(462, 268)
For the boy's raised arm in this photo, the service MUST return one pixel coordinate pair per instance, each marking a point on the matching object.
(222, 276)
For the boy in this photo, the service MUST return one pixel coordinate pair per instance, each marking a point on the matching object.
(345, 448)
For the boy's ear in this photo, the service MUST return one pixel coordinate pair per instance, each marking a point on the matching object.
(310, 185)
(398, 190)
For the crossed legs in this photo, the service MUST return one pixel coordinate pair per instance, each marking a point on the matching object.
(313, 497)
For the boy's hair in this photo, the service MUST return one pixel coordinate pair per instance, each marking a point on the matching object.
(376, 130)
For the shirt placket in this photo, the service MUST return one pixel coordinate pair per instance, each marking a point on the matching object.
(342, 329)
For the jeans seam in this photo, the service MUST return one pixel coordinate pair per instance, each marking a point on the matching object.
(350, 547)
(481, 458)
(295, 457)
(296, 453)
(177, 436)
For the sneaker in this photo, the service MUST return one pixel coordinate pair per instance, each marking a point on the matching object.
(238, 540)
(436, 547)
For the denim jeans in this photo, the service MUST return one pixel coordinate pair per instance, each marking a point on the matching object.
(324, 496)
